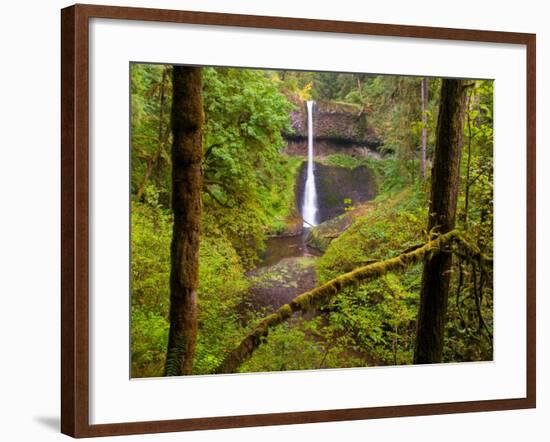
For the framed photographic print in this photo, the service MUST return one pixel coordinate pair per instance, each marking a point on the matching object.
(273, 220)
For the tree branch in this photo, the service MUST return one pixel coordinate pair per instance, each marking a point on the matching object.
(321, 295)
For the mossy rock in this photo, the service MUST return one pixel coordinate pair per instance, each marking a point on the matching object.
(293, 225)
(320, 236)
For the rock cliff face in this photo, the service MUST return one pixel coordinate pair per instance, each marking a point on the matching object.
(339, 124)
(322, 148)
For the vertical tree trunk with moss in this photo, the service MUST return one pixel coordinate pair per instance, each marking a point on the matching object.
(187, 124)
(444, 190)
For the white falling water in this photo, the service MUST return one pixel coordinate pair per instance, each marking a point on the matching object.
(309, 208)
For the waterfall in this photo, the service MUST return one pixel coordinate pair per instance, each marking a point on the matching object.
(309, 208)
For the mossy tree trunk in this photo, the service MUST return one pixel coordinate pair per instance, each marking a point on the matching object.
(444, 190)
(187, 123)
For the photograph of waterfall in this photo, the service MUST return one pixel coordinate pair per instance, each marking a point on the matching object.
(302, 220)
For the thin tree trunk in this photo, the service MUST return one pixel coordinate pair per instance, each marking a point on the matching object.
(146, 175)
(469, 162)
(154, 160)
(187, 123)
(424, 93)
(444, 189)
(162, 131)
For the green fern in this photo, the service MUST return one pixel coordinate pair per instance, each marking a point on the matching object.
(174, 358)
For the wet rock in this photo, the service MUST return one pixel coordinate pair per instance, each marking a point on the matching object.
(292, 226)
(337, 188)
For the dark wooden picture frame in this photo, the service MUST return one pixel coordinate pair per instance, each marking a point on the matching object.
(75, 219)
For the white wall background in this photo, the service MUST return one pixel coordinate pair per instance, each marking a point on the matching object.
(29, 218)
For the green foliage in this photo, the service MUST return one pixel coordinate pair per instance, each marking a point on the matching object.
(243, 168)
(395, 112)
(150, 248)
(150, 269)
(301, 344)
(378, 318)
(336, 86)
(282, 207)
(288, 348)
(343, 160)
(149, 337)
(221, 286)
(387, 172)
(151, 92)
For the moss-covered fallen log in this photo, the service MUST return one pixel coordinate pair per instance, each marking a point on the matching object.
(321, 295)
